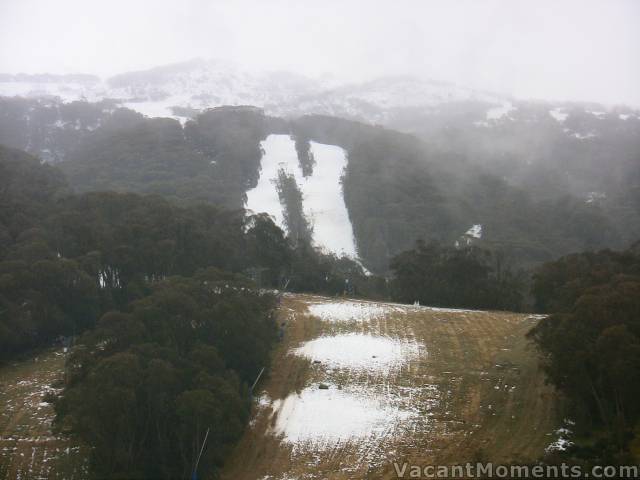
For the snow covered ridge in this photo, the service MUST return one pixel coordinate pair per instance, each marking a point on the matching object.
(323, 201)
(558, 114)
(200, 84)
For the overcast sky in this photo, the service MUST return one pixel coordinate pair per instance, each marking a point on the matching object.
(554, 49)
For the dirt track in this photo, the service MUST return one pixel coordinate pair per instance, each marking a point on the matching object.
(474, 391)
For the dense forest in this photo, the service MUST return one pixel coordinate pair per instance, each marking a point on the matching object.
(170, 334)
(148, 383)
(591, 346)
(466, 276)
(67, 259)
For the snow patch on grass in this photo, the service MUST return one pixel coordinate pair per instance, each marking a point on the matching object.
(360, 352)
(475, 231)
(327, 417)
(347, 311)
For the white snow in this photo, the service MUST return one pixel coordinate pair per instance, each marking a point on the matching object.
(584, 136)
(323, 201)
(475, 231)
(326, 417)
(279, 152)
(351, 311)
(347, 311)
(496, 113)
(68, 92)
(202, 84)
(155, 109)
(558, 114)
(595, 197)
(358, 351)
(359, 403)
(452, 310)
(562, 442)
(578, 135)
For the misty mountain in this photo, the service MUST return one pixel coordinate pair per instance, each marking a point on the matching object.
(200, 84)
(396, 187)
(536, 179)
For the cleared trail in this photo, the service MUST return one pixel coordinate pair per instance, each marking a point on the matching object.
(357, 385)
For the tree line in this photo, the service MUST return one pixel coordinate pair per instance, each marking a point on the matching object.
(171, 331)
(464, 276)
(591, 347)
(150, 381)
(67, 259)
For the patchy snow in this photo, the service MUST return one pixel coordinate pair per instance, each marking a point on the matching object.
(594, 197)
(347, 311)
(352, 311)
(469, 237)
(157, 109)
(598, 114)
(475, 231)
(358, 351)
(578, 135)
(323, 201)
(327, 417)
(627, 116)
(452, 310)
(496, 113)
(68, 92)
(202, 84)
(562, 442)
(537, 316)
(558, 114)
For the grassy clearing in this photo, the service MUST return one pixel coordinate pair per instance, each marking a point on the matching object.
(475, 392)
(28, 447)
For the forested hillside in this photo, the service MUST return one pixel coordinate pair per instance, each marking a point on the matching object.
(67, 259)
(151, 380)
(397, 188)
(169, 335)
(591, 346)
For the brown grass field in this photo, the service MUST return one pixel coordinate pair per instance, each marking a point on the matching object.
(469, 389)
(28, 448)
(474, 392)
